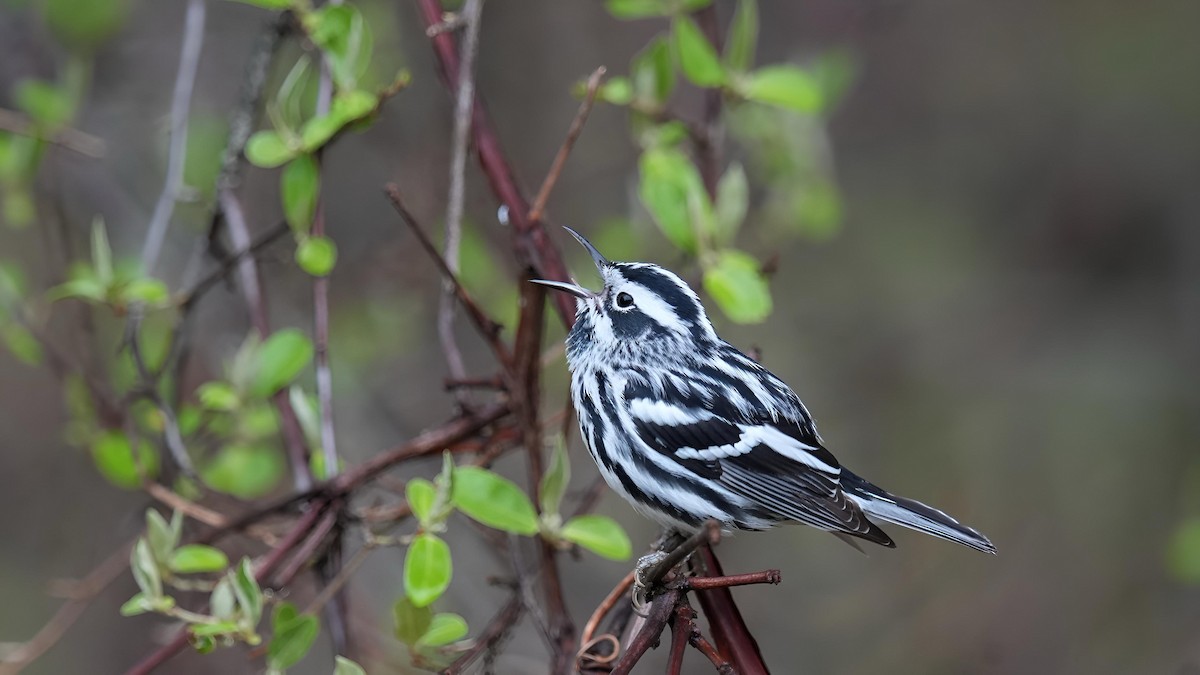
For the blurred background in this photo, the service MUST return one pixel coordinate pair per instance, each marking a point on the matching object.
(992, 304)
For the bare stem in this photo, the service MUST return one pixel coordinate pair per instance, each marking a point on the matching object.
(564, 151)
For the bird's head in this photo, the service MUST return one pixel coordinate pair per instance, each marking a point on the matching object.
(640, 304)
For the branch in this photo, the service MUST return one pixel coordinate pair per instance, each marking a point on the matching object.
(66, 137)
(686, 632)
(587, 642)
(497, 628)
(708, 583)
(181, 100)
(560, 159)
(656, 619)
(728, 628)
(708, 534)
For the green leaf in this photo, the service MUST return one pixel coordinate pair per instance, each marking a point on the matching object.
(305, 406)
(268, 149)
(101, 253)
(671, 190)
(617, 91)
(19, 208)
(318, 130)
(421, 495)
(299, 186)
(201, 643)
(145, 569)
(427, 569)
(555, 480)
(736, 282)
(697, 58)
(347, 667)
(294, 634)
(197, 558)
(653, 73)
(223, 602)
(249, 595)
(218, 395)
(600, 535)
(160, 536)
(743, 36)
(354, 105)
(47, 105)
(85, 24)
(493, 500)
(733, 200)
(138, 604)
(280, 359)
(214, 629)
(444, 629)
(316, 255)
(23, 345)
(146, 290)
(784, 86)
(1183, 552)
(270, 4)
(114, 458)
(346, 39)
(411, 621)
(637, 9)
(245, 471)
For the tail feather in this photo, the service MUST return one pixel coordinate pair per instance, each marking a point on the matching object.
(881, 504)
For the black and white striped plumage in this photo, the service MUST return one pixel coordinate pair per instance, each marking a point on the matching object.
(687, 428)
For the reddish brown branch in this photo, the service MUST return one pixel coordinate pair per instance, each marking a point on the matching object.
(725, 621)
(495, 631)
(606, 606)
(709, 583)
(560, 159)
(656, 619)
(681, 633)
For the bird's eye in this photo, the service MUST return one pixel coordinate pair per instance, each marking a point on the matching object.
(624, 300)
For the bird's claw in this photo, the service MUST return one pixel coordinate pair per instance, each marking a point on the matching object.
(642, 585)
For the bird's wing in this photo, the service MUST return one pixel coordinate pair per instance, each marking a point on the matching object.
(778, 464)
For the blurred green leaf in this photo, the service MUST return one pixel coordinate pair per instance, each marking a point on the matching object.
(697, 58)
(223, 603)
(493, 500)
(816, 209)
(197, 558)
(349, 106)
(305, 406)
(346, 39)
(1183, 551)
(444, 629)
(556, 479)
(671, 189)
(293, 100)
(299, 186)
(145, 569)
(637, 9)
(427, 569)
(23, 345)
(249, 595)
(205, 149)
(138, 604)
(268, 149)
(733, 201)
(145, 290)
(46, 104)
(736, 282)
(293, 635)
(785, 86)
(615, 90)
(743, 36)
(421, 495)
(653, 73)
(411, 621)
(345, 666)
(114, 459)
(318, 130)
(316, 255)
(244, 471)
(160, 536)
(270, 4)
(600, 535)
(201, 643)
(19, 208)
(217, 629)
(85, 24)
(218, 395)
(280, 359)
(101, 253)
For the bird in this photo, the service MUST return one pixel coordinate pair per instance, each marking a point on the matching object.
(688, 429)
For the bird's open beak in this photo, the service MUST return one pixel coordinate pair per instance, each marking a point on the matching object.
(575, 289)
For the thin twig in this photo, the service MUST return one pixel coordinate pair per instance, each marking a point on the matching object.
(681, 632)
(66, 137)
(181, 100)
(464, 101)
(586, 639)
(496, 629)
(560, 159)
(709, 533)
(709, 583)
(729, 630)
(192, 294)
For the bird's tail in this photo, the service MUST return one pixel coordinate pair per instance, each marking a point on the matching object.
(881, 504)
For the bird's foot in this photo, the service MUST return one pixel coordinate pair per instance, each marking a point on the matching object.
(642, 585)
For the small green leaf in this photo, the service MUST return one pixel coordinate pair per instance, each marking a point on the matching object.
(294, 635)
(733, 200)
(347, 667)
(23, 345)
(493, 500)
(84, 288)
(353, 105)
(203, 644)
(653, 73)
(616, 90)
(784, 86)
(444, 629)
(138, 604)
(316, 255)
(82, 24)
(280, 359)
(421, 495)
(637, 9)
(159, 536)
(49, 106)
(299, 186)
(1183, 552)
(270, 4)
(411, 621)
(245, 471)
(101, 253)
(427, 569)
(223, 603)
(145, 569)
(743, 36)
(197, 558)
(673, 193)
(346, 39)
(697, 58)
(555, 480)
(736, 282)
(305, 406)
(218, 395)
(600, 535)
(267, 149)
(249, 595)
(114, 458)
(318, 130)
(146, 290)
(214, 629)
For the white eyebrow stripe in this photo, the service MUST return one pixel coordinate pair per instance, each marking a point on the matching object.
(652, 305)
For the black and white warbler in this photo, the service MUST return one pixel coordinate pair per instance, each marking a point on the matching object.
(687, 428)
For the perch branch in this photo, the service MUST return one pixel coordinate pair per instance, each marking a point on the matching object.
(560, 159)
